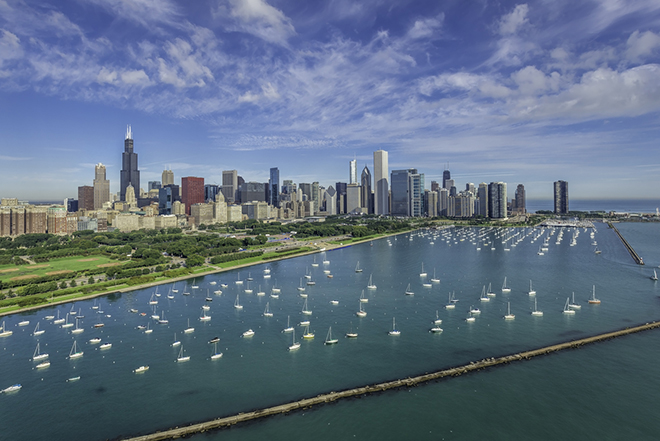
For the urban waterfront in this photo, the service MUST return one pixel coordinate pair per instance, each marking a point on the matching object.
(111, 401)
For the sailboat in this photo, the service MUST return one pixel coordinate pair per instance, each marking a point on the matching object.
(314, 264)
(361, 312)
(434, 279)
(38, 355)
(275, 289)
(484, 297)
(288, 328)
(505, 288)
(351, 333)
(508, 315)
(437, 320)
(567, 308)
(176, 342)
(490, 292)
(363, 299)
(238, 279)
(58, 320)
(77, 330)
(237, 305)
(357, 267)
(208, 296)
(451, 304)
(174, 290)
(308, 335)
(204, 317)
(531, 291)
(189, 329)
(37, 331)
(294, 344)
(248, 290)
(162, 320)
(423, 273)
(5, 333)
(181, 357)
(654, 276)
(170, 295)
(470, 318)
(593, 300)
(408, 291)
(267, 312)
(371, 284)
(75, 353)
(216, 354)
(148, 330)
(574, 305)
(261, 293)
(66, 322)
(394, 331)
(305, 310)
(301, 287)
(536, 312)
(153, 301)
(328, 338)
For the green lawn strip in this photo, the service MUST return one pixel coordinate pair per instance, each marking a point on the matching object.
(63, 264)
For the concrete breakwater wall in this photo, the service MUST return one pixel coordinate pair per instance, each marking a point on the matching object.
(638, 260)
(224, 422)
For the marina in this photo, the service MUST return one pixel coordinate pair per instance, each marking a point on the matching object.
(201, 390)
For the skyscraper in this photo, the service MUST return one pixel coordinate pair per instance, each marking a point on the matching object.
(101, 187)
(561, 197)
(229, 185)
(86, 197)
(367, 197)
(192, 191)
(520, 199)
(497, 200)
(445, 177)
(274, 187)
(482, 194)
(401, 192)
(168, 178)
(129, 166)
(381, 184)
(352, 172)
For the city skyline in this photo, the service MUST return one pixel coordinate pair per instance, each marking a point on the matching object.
(518, 92)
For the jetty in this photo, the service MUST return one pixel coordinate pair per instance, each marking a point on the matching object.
(330, 397)
(638, 260)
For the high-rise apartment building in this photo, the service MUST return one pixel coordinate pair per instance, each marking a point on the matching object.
(352, 172)
(192, 191)
(519, 200)
(561, 197)
(367, 196)
(315, 194)
(167, 178)
(86, 197)
(129, 175)
(497, 200)
(229, 185)
(482, 194)
(381, 184)
(101, 187)
(435, 186)
(274, 187)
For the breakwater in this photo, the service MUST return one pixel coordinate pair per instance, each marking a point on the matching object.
(638, 260)
(330, 397)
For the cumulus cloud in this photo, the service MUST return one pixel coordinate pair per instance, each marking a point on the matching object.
(641, 45)
(513, 21)
(531, 81)
(426, 27)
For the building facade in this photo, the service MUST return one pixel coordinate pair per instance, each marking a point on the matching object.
(381, 184)
(86, 197)
(229, 185)
(101, 187)
(129, 175)
(561, 197)
(192, 191)
(497, 200)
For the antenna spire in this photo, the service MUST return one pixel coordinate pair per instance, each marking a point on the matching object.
(129, 132)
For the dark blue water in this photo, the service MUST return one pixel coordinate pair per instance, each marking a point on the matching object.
(111, 401)
(607, 205)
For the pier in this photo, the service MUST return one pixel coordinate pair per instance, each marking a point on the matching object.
(330, 397)
(638, 260)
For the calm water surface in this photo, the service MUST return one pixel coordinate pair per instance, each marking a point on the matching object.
(520, 400)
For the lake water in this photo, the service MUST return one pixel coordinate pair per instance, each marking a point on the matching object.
(572, 395)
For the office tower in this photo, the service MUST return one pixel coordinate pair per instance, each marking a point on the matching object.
(229, 185)
(86, 197)
(130, 175)
(287, 186)
(435, 186)
(497, 200)
(167, 178)
(519, 201)
(274, 187)
(443, 202)
(561, 197)
(417, 207)
(470, 187)
(254, 192)
(451, 187)
(445, 177)
(431, 202)
(192, 191)
(101, 187)
(482, 194)
(210, 191)
(367, 196)
(341, 197)
(165, 200)
(400, 183)
(381, 185)
(131, 200)
(315, 194)
(330, 198)
(71, 205)
(306, 189)
(352, 172)
(153, 185)
(353, 199)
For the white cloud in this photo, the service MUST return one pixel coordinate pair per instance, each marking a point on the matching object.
(144, 12)
(258, 18)
(482, 85)
(106, 76)
(10, 46)
(135, 77)
(426, 27)
(513, 21)
(641, 45)
(531, 81)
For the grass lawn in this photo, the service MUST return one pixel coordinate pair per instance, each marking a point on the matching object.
(75, 263)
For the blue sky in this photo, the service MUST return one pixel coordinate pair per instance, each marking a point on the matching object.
(523, 92)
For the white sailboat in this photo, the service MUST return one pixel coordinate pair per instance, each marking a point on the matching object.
(176, 342)
(567, 308)
(531, 291)
(105, 346)
(394, 331)
(181, 358)
(490, 292)
(351, 333)
(237, 305)
(505, 288)
(189, 329)
(38, 355)
(654, 276)
(301, 287)
(140, 370)
(58, 320)
(452, 303)
(216, 354)
(536, 312)
(371, 284)
(77, 330)
(508, 315)
(437, 320)
(574, 305)
(5, 333)
(361, 312)
(248, 333)
(409, 291)
(162, 320)
(74, 352)
(204, 317)
(260, 293)
(294, 344)
(248, 290)
(37, 331)
(329, 340)
(363, 299)
(288, 328)
(484, 297)
(357, 267)
(434, 279)
(423, 273)
(593, 300)
(148, 330)
(66, 322)
(267, 312)
(314, 264)
(305, 310)
(275, 289)
(152, 300)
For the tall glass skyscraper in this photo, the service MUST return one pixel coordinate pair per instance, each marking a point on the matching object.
(129, 167)
(274, 187)
(381, 184)
(367, 197)
(561, 197)
(352, 172)
(497, 200)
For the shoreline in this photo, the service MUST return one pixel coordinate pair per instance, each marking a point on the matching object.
(212, 270)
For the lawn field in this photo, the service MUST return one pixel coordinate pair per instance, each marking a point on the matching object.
(54, 266)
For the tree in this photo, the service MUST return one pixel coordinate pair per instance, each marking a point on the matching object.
(195, 260)
(91, 280)
(63, 285)
(73, 283)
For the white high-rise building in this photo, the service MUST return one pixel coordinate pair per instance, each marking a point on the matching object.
(352, 172)
(381, 184)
